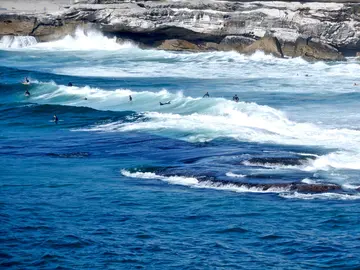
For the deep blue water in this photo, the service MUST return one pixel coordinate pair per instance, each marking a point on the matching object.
(197, 184)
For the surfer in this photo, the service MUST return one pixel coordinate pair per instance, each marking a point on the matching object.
(27, 93)
(70, 84)
(56, 119)
(85, 98)
(166, 103)
(206, 95)
(236, 98)
(26, 81)
(130, 98)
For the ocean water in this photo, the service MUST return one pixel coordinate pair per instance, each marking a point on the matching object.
(270, 182)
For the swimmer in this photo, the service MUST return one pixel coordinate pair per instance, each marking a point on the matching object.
(236, 98)
(26, 81)
(130, 98)
(166, 103)
(56, 119)
(206, 95)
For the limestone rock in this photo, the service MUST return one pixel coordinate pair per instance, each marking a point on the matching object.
(209, 25)
(16, 24)
(314, 50)
(178, 45)
(237, 43)
(209, 46)
(269, 45)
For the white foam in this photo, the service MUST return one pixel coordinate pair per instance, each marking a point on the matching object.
(320, 196)
(349, 186)
(337, 160)
(85, 41)
(194, 183)
(309, 181)
(199, 120)
(283, 192)
(16, 42)
(116, 100)
(234, 175)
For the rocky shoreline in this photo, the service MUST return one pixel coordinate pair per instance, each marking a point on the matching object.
(315, 31)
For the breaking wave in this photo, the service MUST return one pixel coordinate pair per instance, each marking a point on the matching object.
(200, 120)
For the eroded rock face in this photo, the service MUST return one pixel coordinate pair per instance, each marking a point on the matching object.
(238, 43)
(269, 45)
(178, 45)
(16, 24)
(315, 50)
(48, 32)
(210, 25)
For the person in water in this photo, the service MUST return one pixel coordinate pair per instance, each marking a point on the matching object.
(70, 84)
(27, 93)
(26, 80)
(130, 98)
(166, 103)
(56, 119)
(236, 98)
(206, 95)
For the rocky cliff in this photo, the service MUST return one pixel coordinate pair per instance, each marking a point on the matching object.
(311, 29)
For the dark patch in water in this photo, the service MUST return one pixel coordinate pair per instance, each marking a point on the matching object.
(286, 161)
(233, 230)
(69, 155)
(270, 237)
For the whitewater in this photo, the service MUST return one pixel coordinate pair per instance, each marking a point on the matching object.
(289, 148)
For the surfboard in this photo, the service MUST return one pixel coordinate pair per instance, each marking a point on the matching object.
(25, 83)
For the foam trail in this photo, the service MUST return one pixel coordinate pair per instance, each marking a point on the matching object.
(320, 196)
(283, 192)
(195, 183)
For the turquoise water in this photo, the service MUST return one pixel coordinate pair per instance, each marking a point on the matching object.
(201, 183)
